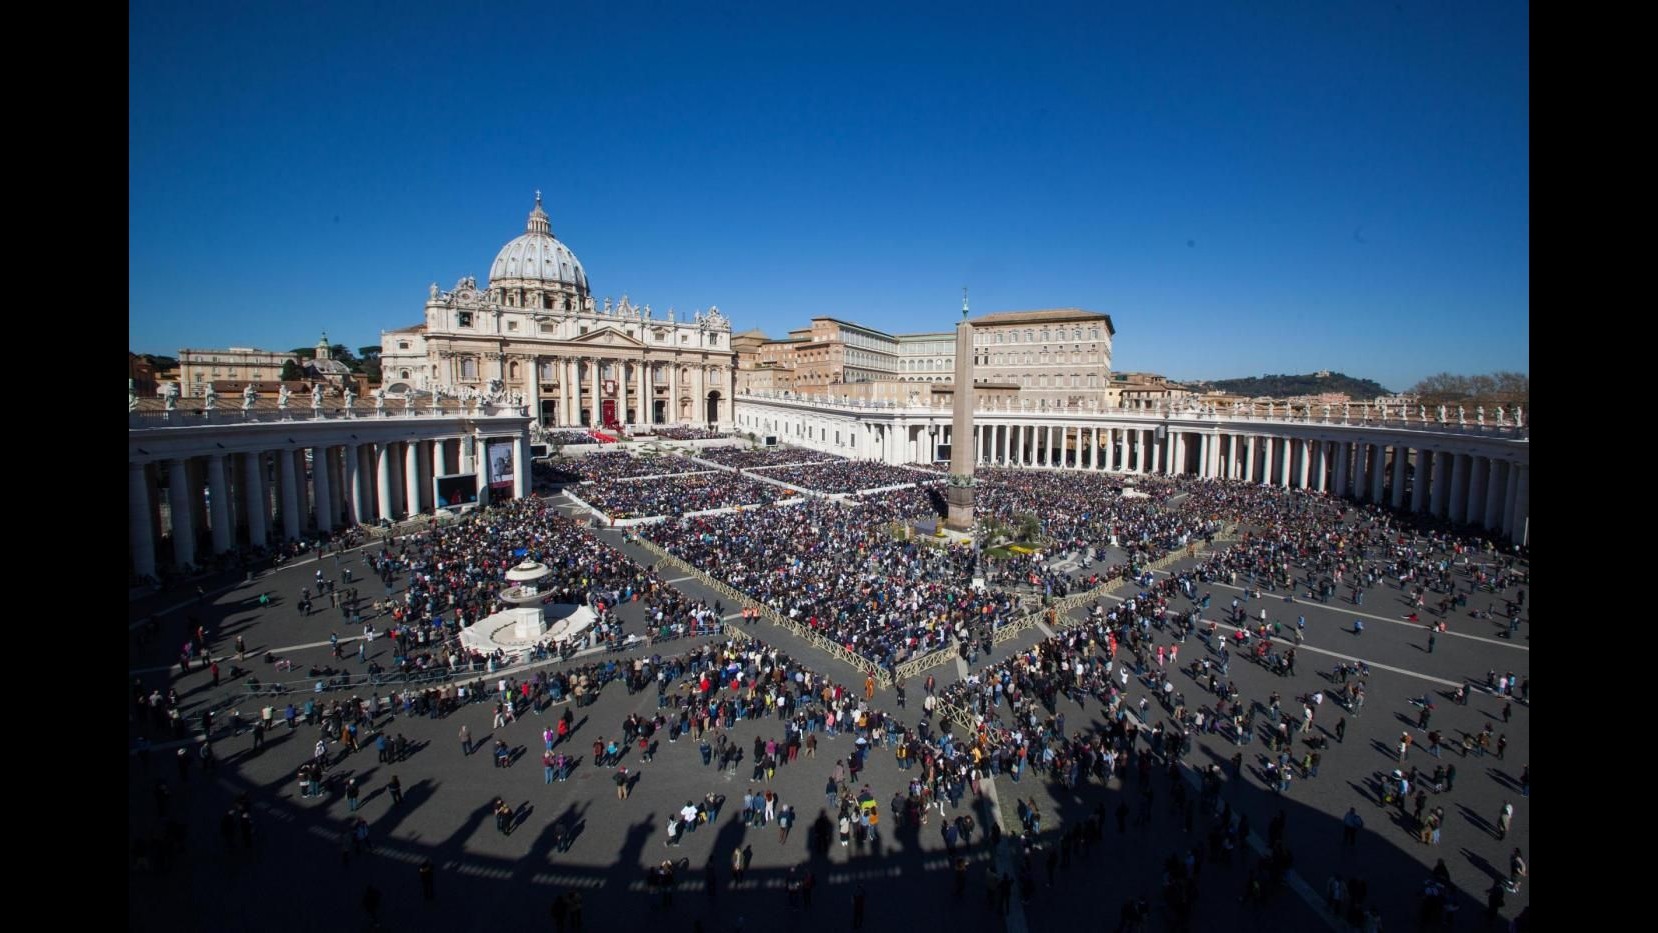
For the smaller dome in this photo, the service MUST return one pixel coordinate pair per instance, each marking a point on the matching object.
(538, 256)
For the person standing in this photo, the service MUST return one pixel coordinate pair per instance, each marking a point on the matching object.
(428, 885)
(1505, 819)
(466, 740)
(1341, 730)
(395, 788)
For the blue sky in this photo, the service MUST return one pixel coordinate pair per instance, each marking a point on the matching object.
(1244, 188)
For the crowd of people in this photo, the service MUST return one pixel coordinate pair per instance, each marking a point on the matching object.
(675, 432)
(847, 476)
(679, 494)
(748, 458)
(620, 464)
(830, 567)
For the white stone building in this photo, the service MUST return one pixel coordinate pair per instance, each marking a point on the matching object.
(536, 327)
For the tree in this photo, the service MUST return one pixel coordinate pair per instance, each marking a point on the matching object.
(1501, 388)
(304, 353)
(368, 354)
(291, 371)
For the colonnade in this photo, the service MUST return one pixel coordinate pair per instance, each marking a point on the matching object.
(1477, 480)
(195, 492)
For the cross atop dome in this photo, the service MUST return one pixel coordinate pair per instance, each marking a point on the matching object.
(538, 218)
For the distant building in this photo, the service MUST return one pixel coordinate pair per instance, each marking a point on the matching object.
(1054, 359)
(238, 365)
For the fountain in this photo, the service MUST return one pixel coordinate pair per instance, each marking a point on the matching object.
(526, 623)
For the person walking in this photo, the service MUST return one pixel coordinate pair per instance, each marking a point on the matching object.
(1505, 819)
(395, 788)
(466, 740)
(1341, 730)
(1350, 826)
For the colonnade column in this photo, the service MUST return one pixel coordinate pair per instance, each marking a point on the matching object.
(411, 478)
(1459, 487)
(178, 504)
(1419, 489)
(521, 465)
(290, 494)
(253, 497)
(321, 464)
(1249, 462)
(1493, 493)
(352, 475)
(1440, 491)
(1478, 467)
(218, 494)
(1378, 473)
(139, 539)
(1401, 456)
(1306, 447)
(1342, 454)
(1519, 512)
(1361, 464)
(1289, 459)
(1322, 470)
(1266, 460)
(382, 457)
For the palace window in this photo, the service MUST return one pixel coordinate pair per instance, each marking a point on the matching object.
(463, 319)
(402, 345)
(512, 325)
(469, 367)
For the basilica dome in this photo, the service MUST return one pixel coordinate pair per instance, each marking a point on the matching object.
(537, 257)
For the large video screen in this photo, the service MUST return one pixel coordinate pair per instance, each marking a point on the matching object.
(457, 489)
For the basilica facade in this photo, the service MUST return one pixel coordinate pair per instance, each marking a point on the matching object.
(534, 330)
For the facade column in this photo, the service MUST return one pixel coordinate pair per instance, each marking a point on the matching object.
(1459, 487)
(566, 379)
(1496, 473)
(535, 388)
(382, 458)
(290, 494)
(1419, 485)
(253, 497)
(1478, 467)
(140, 541)
(1378, 474)
(643, 372)
(411, 478)
(595, 368)
(1401, 457)
(218, 494)
(1342, 453)
(321, 465)
(699, 396)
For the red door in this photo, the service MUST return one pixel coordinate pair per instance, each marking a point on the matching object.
(607, 410)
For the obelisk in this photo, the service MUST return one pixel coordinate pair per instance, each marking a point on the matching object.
(960, 490)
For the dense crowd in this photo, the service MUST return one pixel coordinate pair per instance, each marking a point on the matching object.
(570, 438)
(620, 464)
(745, 458)
(678, 495)
(685, 433)
(834, 569)
(846, 476)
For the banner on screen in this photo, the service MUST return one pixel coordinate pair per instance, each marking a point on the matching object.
(499, 455)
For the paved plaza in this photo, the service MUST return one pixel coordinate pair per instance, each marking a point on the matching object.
(303, 869)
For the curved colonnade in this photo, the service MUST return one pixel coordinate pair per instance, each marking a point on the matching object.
(1475, 474)
(204, 486)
